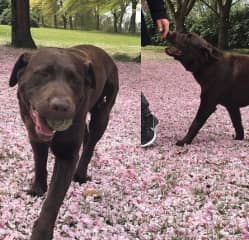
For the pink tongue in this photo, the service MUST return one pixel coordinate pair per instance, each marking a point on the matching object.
(40, 127)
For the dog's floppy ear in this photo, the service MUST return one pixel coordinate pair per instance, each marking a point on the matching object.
(90, 75)
(19, 68)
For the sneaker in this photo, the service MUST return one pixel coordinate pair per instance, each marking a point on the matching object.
(148, 134)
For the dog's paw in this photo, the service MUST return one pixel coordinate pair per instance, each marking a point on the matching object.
(37, 190)
(238, 137)
(81, 179)
(180, 143)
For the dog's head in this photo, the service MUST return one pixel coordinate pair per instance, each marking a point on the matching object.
(191, 50)
(52, 83)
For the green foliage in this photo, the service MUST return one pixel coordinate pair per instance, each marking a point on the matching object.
(34, 18)
(3, 5)
(45, 7)
(110, 5)
(205, 23)
(107, 15)
(239, 31)
(208, 29)
(5, 18)
(76, 6)
(205, 27)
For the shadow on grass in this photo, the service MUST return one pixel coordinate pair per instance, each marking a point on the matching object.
(116, 56)
(240, 50)
(126, 58)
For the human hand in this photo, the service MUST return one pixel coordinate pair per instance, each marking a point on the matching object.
(163, 27)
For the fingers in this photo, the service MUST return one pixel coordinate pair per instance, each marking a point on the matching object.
(163, 27)
(160, 26)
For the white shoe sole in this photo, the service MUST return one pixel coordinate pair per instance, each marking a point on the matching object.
(152, 140)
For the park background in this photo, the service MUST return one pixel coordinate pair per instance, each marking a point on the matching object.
(224, 23)
(113, 25)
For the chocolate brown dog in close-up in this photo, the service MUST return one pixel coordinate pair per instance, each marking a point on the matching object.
(223, 78)
(56, 89)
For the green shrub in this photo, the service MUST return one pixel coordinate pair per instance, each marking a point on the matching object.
(207, 27)
(239, 31)
(5, 18)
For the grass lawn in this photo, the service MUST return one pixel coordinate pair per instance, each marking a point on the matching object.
(122, 45)
(241, 50)
(157, 52)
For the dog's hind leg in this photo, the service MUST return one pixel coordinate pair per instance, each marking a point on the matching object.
(99, 121)
(235, 116)
(39, 185)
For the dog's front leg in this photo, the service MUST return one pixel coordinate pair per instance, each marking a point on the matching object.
(62, 175)
(39, 185)
(206, 108)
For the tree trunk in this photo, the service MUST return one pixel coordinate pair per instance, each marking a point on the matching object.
(224, 23)
(70, 22)
(132, 27)
(76, 21)
(82, 22)
(64, 19)
(121, 20)
(55, 22)
(180, 11)
(21, 35)
(97, 21)
(180, 23)
(42, 21)
(115, 22)
(223, 32)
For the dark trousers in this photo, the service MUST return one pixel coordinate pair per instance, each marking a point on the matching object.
(145, 38)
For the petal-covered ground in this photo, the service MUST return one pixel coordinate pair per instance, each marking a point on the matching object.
(106, 207)
(163, 193)
(200, 191)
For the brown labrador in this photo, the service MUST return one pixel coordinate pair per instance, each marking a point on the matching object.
(223, 78)
(56, 89)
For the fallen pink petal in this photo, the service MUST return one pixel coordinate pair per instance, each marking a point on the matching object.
(199, 191)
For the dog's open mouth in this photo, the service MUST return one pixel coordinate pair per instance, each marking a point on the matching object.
(172, 51)
(47, 127)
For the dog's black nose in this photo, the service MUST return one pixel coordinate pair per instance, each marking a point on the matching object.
(59, 105)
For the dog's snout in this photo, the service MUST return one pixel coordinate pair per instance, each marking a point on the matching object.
(59, 105)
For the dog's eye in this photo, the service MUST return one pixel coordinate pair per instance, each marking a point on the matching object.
(72, 77)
